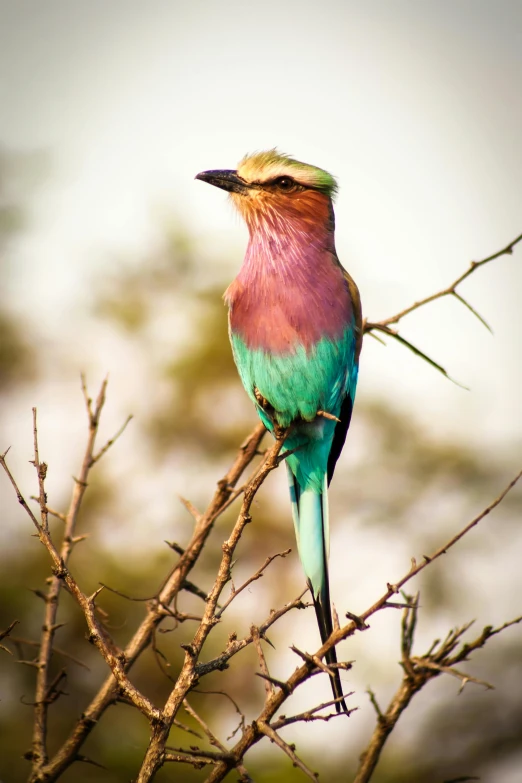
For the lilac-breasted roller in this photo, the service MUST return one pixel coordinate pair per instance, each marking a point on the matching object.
(296, 332)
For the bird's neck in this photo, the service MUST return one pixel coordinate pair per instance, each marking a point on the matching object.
(287, 246)
(290, 290)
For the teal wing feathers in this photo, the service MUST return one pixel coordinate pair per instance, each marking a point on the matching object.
(296, 386)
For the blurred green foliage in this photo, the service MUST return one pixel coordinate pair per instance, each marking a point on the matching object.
(396, 478)
(17, 355)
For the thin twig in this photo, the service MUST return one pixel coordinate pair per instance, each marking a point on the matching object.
(56, 650)
(190, 508)
(58, 514)
(449, 290)
(462, 676)
(235, 646)
(274, 737)
(209, 733)
(7, 632)
(41, 472)
(375, 703)
(104, 449)
(269, 685)
(385, 325)
(242, 719)
(311, 715)
(258, 574)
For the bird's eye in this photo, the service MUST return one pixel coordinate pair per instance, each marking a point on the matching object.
(284, 183)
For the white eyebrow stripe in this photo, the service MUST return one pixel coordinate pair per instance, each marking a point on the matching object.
(263, 167)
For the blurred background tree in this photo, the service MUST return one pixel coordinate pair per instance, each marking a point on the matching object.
(18, 173)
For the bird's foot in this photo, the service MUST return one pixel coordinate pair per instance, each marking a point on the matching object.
(277, 430)
(263, 402)
(327, 415)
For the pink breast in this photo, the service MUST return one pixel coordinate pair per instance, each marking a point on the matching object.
(278, 314)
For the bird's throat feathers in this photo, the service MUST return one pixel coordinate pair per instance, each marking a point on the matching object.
(290, 290)
(273, 215)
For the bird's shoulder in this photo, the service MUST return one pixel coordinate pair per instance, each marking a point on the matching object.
(355, 298)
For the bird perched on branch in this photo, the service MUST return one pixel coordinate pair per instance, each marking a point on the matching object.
(296, 333)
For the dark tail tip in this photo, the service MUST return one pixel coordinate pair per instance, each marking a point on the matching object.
(337, 689)
(324, 621)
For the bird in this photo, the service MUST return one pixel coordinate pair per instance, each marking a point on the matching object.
(295, 326)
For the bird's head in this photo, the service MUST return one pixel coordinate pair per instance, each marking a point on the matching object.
(270, 188)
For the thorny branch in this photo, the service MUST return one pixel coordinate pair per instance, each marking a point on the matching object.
(442, 658)
(310, 666)
(120, 661)
(450, 290)
(188, 676)
(7, 632)
(258, 574)
(60, 559)
(386, 326)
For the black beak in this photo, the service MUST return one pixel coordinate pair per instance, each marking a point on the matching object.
(224, 179)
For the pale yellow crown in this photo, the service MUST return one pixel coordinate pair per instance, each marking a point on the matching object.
(266, 166)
